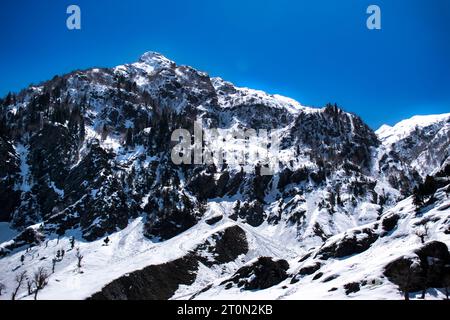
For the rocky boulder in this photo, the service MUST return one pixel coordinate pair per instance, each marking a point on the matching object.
(261, 274)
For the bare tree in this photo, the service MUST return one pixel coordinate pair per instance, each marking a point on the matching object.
(53, 264)
(40, 280)
(20, 278)
(79, 257)
(2, 287)
(30, 286)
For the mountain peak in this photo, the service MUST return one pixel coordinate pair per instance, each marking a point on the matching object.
(156, 60)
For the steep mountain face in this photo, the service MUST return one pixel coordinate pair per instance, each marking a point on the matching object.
(88, 155)
(422, 142)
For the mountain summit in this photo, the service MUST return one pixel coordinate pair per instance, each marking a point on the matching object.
(156, 60)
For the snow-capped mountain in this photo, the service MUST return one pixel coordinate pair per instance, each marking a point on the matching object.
(421, 141)
(88, 191)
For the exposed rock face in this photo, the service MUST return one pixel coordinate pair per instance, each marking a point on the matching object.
(252, 213)
(214, 220)
(351, 287)
(9, 171)
(389, 223)
(262, 274)
(307, 270)
(27, 238)
(352, 243)
(421, 141)
(335, 136)
(223, 247)
(428, 268)
(159, 282)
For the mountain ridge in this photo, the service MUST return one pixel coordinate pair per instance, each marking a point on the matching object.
(87, 155)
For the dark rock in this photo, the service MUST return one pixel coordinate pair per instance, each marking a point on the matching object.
(305, 257)
(252, 213)
(390, 222)
(434, 249)
(170, 224)
(318, 177)
(28, 237)
(428, 268)
(355, 242)
(330, 278)
(156, 282)
(309, 269)
(435, 261)
(352, 287)
(318, 276)
(262, 274)
(203, 186)
(159, 282)
(225, 246)
(407, 273)
(214, 220)
(221, 184)
(304, 271)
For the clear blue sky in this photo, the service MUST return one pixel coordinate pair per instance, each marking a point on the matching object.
(313, 51)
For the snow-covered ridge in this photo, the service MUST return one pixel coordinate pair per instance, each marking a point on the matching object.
(156, 60)
(150, 64)
(389, 135)
(231, 96)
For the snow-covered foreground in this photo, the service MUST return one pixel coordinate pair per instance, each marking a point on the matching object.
(368, 265)
(129, 250)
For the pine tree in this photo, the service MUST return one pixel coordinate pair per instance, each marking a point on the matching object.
(129, 137)
(72, 242)
(8, 99)
(417, 198)
(104, 132)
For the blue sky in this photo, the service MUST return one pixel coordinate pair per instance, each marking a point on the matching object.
(313, 51)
